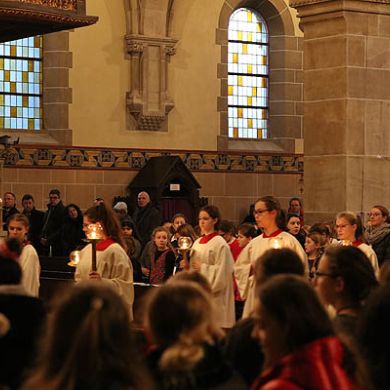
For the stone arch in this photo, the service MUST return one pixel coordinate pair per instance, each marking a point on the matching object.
(285, 76)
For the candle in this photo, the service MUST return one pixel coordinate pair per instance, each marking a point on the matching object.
(185, 243)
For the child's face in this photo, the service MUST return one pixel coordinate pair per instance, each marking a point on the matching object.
(178, 222)
(127, 231)
(242, 240)
(161, 240)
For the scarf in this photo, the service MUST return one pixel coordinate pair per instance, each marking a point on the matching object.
(376, 234)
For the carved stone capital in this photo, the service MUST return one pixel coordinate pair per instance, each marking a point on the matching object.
(135, 47)
(170, 50)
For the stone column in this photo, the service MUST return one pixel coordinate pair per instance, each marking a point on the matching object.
(346, 105)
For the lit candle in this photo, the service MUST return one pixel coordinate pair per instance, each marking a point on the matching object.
(185, 243)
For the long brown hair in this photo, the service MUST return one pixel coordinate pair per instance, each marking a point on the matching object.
(103, 214)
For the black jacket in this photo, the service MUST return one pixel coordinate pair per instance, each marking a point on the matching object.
(52, 227)
(36, 219)
(146, 219)
(382, 249)
(7, 212)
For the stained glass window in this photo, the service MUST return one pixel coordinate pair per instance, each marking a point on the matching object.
(247, 75)
(21, 84)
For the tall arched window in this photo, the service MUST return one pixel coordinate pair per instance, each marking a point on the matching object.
(21, 84)
(247, 75)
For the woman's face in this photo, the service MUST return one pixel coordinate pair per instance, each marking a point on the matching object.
(311, 246)
(72, 212)
(345, 231)
(161, 240)
(376, 217)
(178, 221)
(243, 241)
(294, 225)
(295, 206)
(325, 282)
(17, 230)
(264, 217)
(270, 333)
(206, 222)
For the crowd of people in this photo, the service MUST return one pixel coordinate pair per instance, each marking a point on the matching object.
(270, 304)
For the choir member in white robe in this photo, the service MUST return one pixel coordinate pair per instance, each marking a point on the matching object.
(18, 226)
(267, 214)
(113, 266)
(211, 256)
(349, 229)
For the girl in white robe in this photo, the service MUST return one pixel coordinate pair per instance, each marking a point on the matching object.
(267, 214)
(113, 266)
(211, 256)
(18, 226)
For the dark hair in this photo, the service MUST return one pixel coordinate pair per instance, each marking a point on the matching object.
(187, 230)
(353, 266)
(55, 191)
(247, 230)
(178, 215)
(89, 344)
(127, 222)
(374, 336)
(213, 212)
(227, 227)
(27, 197)
(192, 276)
(101, 213)
(79, 218)
(271, 203)
(278, 261)
(295, 198)
(320, 228)
(10, 271)
(384, 211)
(293, 303)
(291, 215)
(10, 193)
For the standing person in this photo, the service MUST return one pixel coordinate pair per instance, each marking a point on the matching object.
(18, 227)
(51, 231)
(177, 221)
(9, 207)
(349, 229)
(268, 215)
(313, 248)
(36, 218)
(72, 235)
(112, 263)
(295, 229)
(161, 258)
(377, 233)
(133, 247)
(89, 344)
(146, 217)
(295, 207)
(227, 230)
(211, 256)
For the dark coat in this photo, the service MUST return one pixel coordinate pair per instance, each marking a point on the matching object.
(72, 235)
(7, 212)
(54, 218)
(36, 218)
(382, 249)
(146, 219)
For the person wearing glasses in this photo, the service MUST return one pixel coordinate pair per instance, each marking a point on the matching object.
(344, 280)
(270, 219)
(377, 233)
(349, 230)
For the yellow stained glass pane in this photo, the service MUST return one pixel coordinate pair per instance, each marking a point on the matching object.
(25, 77)
(30, 66)
(244, 48)
(13, 51)
(258, 27)
(249, 123)
(37, 42)
(240, 81)
(31, 123)
(249, 103)
(263, 83)
(1, 100)
(239, 111)
(250, 37)
(249, 68)
(7, 75)
(1, 122)
(13, 87)
(262, 114)
(259, 133)
(254, 91)
(235, 58)
(25, 101)
(239, 35)
(264, 60)
(230, 90)
(249, 16)
(235, 132)
(1, 63)
(14, 113)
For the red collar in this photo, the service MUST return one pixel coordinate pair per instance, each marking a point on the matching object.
(207, 237)
(274, 234)
(357, 243)
(102, 245)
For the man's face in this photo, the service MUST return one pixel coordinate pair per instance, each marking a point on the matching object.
(143, 199)
(54, 199)
(28, 205)
(9, 200)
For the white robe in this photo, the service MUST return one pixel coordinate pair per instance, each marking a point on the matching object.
(217, 266)
(31, 269)
(369, 252)
(247, 260)
(114, 267)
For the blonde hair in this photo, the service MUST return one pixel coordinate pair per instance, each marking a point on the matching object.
(180, 318)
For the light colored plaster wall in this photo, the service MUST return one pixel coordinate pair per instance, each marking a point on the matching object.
(100, 79)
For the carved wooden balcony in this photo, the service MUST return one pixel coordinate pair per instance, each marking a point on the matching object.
(24, 18)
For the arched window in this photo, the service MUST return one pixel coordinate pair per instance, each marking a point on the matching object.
(247, 75)
(21, 84)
